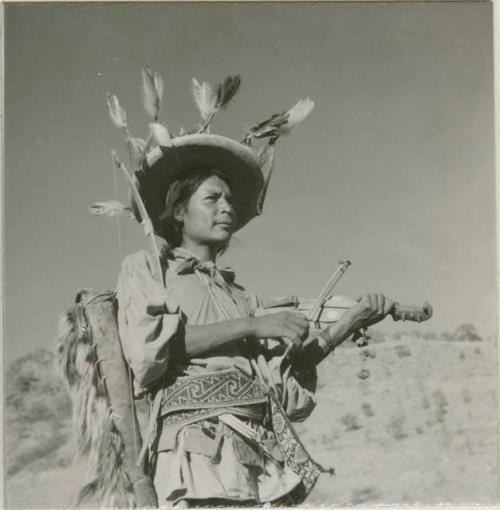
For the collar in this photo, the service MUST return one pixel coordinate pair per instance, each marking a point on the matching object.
(189, 263)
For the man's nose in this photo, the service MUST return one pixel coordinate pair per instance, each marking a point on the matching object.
(226, 206)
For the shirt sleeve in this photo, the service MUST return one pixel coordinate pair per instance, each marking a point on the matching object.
(145, 337)
(296, 387)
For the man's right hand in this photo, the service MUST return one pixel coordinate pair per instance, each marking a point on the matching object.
(291, 326)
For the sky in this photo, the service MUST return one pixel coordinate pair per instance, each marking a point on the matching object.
(393, 170)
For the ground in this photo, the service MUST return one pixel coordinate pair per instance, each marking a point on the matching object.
(421, 428)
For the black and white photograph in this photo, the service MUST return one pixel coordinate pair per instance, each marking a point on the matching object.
(249, 254)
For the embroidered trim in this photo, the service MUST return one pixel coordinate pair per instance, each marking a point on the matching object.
(213, 390)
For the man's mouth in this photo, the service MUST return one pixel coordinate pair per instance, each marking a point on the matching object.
(227, 224)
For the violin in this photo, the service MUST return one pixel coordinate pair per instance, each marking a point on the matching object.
(332, 309)
(327, 309)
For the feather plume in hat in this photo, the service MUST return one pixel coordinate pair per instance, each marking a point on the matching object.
(210, 101)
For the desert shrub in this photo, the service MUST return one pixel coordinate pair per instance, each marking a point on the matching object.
(466, 396)
(441, 405)
(466, 333)
(395, 427)
(402, 351)
(37, 410)
(367, 410)
(350, 422)
(425, 402)
(363, 495)
(477, 350)
(430, 335)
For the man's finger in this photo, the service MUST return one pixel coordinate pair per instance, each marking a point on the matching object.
(380, 304)
(293, 341)
(295, 331)
(388, 306)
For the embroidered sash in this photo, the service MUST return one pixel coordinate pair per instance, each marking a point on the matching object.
(200, 396)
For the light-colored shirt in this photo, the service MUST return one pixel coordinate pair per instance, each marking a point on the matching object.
(197, 293)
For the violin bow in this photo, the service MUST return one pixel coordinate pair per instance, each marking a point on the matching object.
(326, 292)
(412, 313)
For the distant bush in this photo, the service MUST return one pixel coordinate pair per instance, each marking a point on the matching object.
(466, 333)
(402, 351)
(466, 396)
(37, 411)
(425, 402)
(441, 405)
(395, 427)
(429, 336)
(350, 422)
(364, 495)
(367, 410)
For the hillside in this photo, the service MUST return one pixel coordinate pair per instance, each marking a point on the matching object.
(421, 428)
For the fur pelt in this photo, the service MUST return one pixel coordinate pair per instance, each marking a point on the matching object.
(99, 440)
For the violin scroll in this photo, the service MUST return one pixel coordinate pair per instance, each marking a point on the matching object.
(412, 312)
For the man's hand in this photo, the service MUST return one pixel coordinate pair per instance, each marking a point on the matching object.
(370, 309)
(290, 326)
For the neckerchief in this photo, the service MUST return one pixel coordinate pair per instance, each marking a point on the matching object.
(191, 263)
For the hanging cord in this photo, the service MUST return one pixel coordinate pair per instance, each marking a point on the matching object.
(129, 370)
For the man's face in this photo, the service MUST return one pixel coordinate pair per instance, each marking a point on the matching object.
(209, 217)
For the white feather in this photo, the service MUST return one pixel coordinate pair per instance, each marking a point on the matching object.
(160, 134)
(205, 98)
(150, 97)
(136, 148)
(158, 84)
(299, 112)
(108, 208)
(116, 112)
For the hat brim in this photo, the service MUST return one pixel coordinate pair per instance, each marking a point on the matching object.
(237, 162)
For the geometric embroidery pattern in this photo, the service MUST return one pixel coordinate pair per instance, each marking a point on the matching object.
(212, 390)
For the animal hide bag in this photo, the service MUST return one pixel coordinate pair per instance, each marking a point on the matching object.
(91, 361)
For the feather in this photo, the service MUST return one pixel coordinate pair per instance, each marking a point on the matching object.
(158, 84)
(205, 98)
(109, 208)
(298, 112)
(160, 134)
(152, 92)
(116, 112)
(227, 90)
(269, 127)
(281, 123)
(136, 148)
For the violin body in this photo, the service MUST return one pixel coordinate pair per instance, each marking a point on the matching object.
(336, 306)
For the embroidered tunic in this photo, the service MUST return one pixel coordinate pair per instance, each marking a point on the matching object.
(207, 459)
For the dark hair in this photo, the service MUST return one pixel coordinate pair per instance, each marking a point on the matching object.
(178, 195)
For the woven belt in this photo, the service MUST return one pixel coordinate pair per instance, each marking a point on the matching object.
(211, 391)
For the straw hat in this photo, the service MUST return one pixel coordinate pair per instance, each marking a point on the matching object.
(236, 161)
(163, 158)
